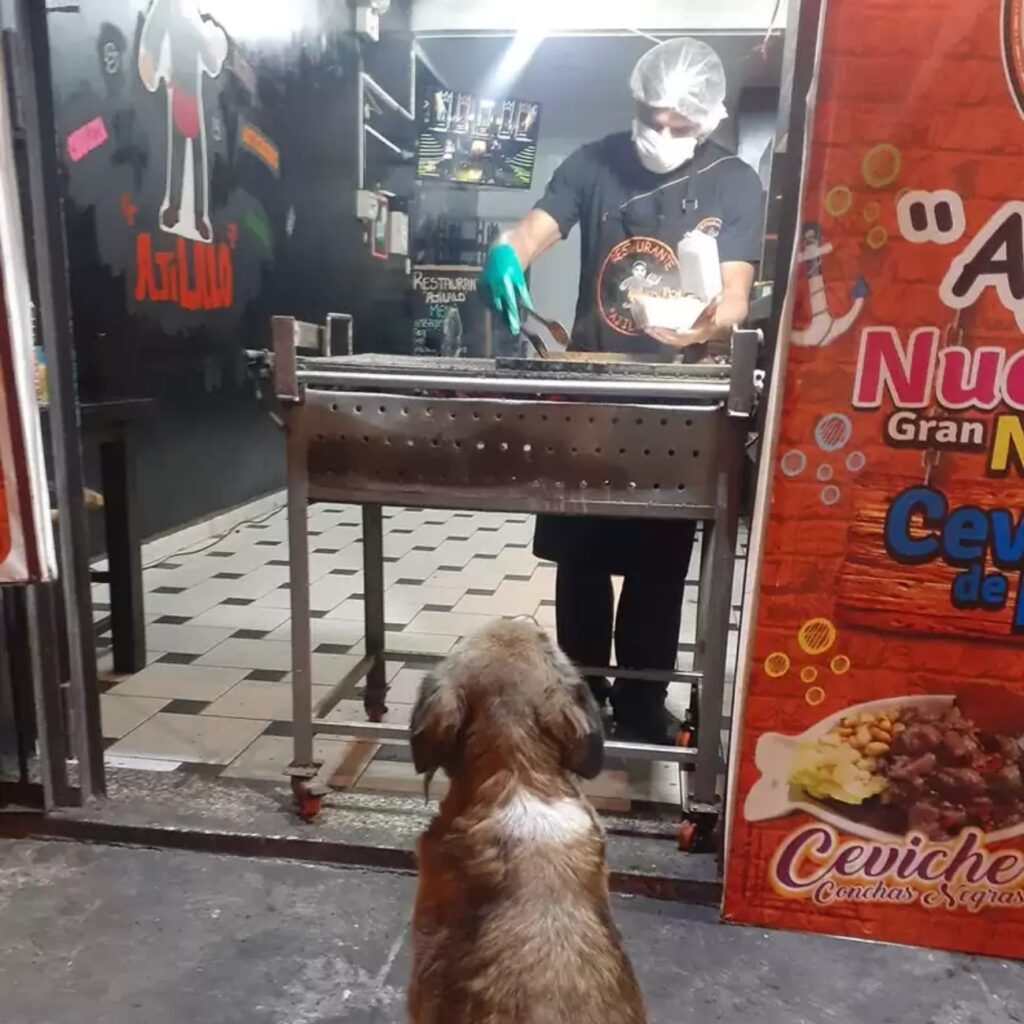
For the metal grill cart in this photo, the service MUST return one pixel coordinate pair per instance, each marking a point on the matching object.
(598, 438)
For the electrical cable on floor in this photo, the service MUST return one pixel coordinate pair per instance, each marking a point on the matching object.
(216, 540)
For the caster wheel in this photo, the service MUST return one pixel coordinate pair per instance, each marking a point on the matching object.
(686, 836)
(377, 714)
(307, 804)
(687, 737)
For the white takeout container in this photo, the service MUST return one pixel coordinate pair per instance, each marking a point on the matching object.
(773, 797)
(700, 270)
(674, 314)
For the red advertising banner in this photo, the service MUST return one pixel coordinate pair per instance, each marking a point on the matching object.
(877, 781)
(26, 537)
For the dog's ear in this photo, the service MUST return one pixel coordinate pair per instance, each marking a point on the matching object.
(575, 719)
(586, 750)
(436, 723)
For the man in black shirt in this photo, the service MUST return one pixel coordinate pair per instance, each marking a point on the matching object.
(634, 196)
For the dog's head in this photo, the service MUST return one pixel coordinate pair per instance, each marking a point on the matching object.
(509, 696)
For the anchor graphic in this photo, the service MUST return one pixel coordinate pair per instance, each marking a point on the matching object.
(824, 328)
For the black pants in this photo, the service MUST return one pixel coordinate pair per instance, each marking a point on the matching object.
(646, 630)
(177, 171)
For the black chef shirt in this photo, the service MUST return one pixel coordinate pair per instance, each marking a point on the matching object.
(632, 222)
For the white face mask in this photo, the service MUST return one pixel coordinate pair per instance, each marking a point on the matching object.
(660, 152)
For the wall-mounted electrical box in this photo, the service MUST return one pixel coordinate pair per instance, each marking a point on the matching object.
(367, 205)
(399, 233)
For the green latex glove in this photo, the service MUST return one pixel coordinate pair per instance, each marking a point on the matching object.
(503, 285)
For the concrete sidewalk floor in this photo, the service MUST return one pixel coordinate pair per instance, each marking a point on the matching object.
(133, 936)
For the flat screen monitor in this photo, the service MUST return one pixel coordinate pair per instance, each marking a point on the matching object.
(476, 141)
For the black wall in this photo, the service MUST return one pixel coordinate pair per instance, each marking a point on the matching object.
(289, 233)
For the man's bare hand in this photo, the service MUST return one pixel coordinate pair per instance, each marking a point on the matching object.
(704, 329)
(731, 310)
(714, 324)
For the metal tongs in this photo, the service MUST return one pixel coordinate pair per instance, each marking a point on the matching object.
(532, 323)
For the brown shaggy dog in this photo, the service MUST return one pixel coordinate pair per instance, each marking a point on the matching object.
(512, 922)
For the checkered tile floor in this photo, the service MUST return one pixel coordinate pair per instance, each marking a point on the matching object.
(215, 696)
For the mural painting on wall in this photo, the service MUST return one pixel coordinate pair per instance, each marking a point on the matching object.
(174, 192)
(179, 46)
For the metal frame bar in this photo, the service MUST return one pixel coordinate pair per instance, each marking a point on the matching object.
(637, 390)
(124, 553)
(17, 737)
(373, 611)
(339, 333)
(471, 503)
(298, 558)
(387, 99)
(347, 684)
(718, 558)
(51, 736)
(365, 83)
(702, 597)
(708, 686)
(382, 139)
(12, 734)
(800, 49)
(381, 732)
(34, 84)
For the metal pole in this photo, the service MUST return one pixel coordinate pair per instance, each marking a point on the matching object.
(13, 734)
(124, 553)
(34, 84)
(388, 100)
(382, 139)
(360, 133)
(373, 610)
(51, 736)
(705, 586)
(488, 352)
(298, 557)
(719, 560)
(799, 63)
(379, 732)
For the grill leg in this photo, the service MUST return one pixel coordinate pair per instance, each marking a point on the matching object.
(703, 593)
(298, 558)
(373, 609)
(717, 563)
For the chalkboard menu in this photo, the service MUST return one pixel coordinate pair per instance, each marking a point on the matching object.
(448, 316)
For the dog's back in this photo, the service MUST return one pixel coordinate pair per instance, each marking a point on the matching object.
(512, 922)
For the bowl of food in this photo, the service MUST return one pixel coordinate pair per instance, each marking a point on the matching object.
(890, 767)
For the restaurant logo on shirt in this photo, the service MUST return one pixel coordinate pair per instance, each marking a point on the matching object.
(710, 226)
(637, 266)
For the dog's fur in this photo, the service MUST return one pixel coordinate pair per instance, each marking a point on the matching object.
(512, 922)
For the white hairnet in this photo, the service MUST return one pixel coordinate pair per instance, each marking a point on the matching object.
(684, 75)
